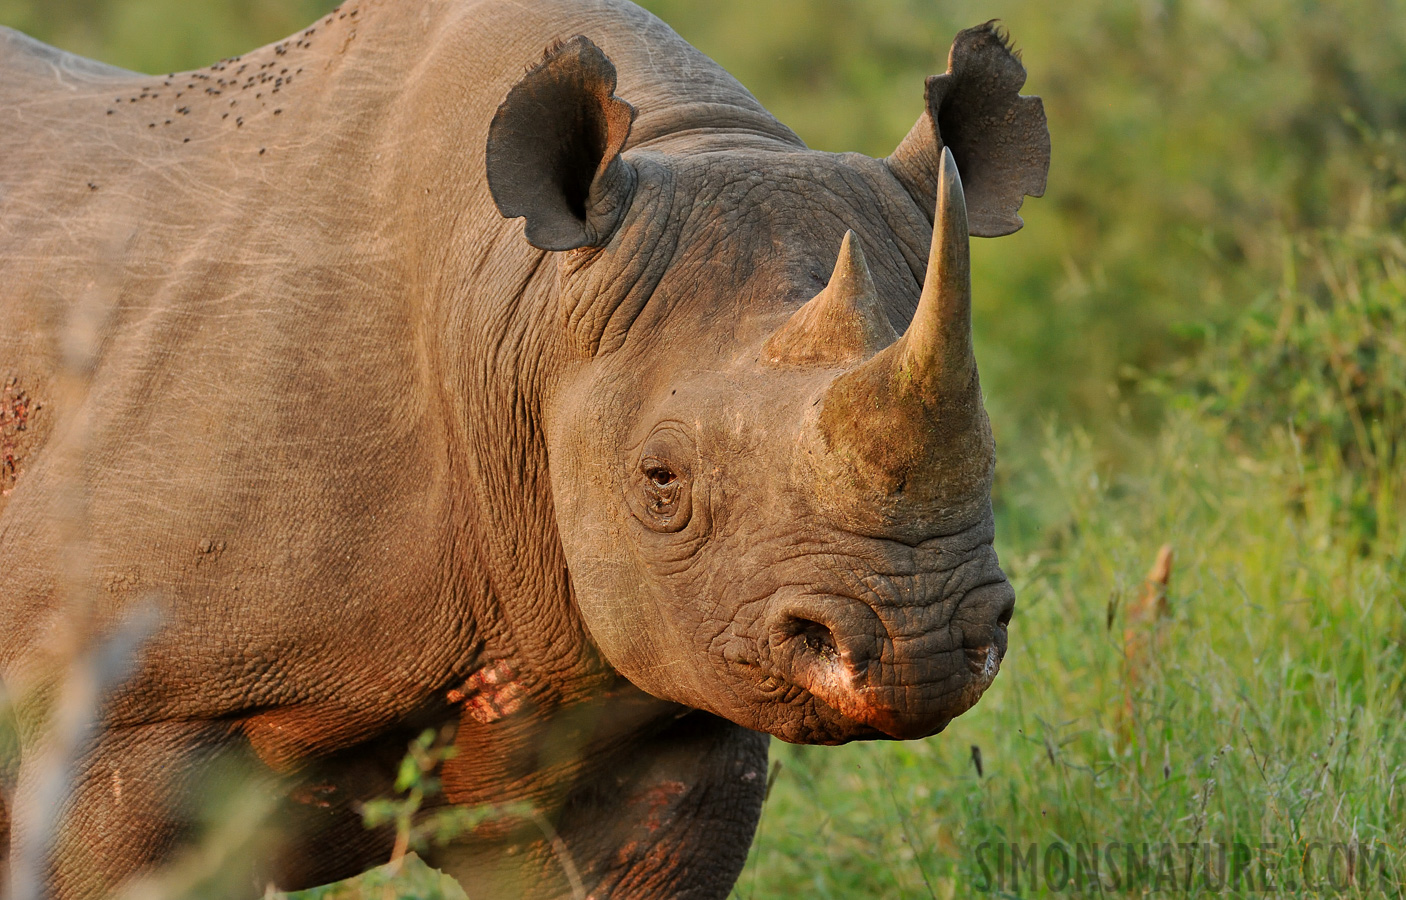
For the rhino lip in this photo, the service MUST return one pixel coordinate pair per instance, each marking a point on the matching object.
(814, 664)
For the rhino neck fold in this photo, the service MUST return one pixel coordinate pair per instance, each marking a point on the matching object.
(603, 291)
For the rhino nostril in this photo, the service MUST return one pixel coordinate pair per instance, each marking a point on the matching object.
(816, 637)
(1004, 618)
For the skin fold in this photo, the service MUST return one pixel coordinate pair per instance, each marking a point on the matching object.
(432, 369)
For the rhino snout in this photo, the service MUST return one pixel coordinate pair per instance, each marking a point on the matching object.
(899, 673)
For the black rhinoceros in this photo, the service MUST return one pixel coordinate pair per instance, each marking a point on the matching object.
(642, 434)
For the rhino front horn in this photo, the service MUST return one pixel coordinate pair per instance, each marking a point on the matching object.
(910, 420)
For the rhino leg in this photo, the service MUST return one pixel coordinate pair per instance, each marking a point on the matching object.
(673, 816)
(9, 770)
(685, 817)
(129, 808)
(4, 849)
(323, 836)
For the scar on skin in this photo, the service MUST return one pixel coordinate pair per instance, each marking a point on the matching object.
(491, 693)
(16, 407)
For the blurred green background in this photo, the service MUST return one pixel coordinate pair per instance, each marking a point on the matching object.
(1198, 339)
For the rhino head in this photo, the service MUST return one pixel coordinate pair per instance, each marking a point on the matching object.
(770, 461)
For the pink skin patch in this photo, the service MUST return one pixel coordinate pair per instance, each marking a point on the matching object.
(654, 807)
(659, 799)
(314, 795)
(491, 693)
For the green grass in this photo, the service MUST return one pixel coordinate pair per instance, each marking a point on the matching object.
(1271, 712)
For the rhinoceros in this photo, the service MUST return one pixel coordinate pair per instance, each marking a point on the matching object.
(504, 369)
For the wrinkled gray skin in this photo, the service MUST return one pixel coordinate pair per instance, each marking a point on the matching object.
(394, 433)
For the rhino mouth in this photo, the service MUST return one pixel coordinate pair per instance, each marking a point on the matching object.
(900, 709)
(832, 672)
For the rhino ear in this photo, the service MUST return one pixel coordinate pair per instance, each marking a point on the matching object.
(998, 138)
(554, 149)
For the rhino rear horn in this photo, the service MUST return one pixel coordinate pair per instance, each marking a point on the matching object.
(554, 149)
(999, 138)
(841, 325)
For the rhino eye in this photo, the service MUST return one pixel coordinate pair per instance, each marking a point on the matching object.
(661, 498)
(661, 476)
